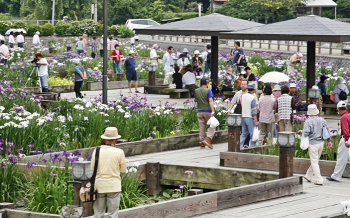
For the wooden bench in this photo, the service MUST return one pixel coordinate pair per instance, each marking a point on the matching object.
(178, 93)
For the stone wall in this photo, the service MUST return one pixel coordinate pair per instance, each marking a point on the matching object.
(95, 86)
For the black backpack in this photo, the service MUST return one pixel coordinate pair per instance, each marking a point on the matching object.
(342, 95)
(209, 57)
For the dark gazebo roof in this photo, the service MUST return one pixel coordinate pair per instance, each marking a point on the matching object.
(209, 25)
(308, 28)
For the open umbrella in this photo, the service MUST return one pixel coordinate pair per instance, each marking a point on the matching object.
(15, 31)
(274, 77)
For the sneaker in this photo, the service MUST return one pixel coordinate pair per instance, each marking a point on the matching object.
(331, 179)
(201, 145)
(246, 146)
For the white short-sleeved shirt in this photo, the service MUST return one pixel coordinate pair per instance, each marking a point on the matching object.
(153, 54)
(12, 39)
(20, 39)
(43, 69)
(36, 39)
(4, 49)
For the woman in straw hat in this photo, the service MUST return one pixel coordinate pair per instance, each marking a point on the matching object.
(108, 181)
(313, 128)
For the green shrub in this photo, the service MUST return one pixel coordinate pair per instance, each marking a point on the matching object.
(113, 30)
(47, 30)
(11, 182)
(88, 27)
(99, 30)
(74, 29)
(125, 32)
(5, 16)
(187, 15)
(32, 28)
(19, 24)
(4, 25)
(62, 28)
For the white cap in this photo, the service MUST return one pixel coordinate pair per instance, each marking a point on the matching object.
(292, 85)
(341, 104)
(276, 88)
(37, 33)
(155, 46)
(300, 55)
(131, 52)
(196, 52)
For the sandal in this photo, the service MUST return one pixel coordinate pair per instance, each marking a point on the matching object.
(137, 92)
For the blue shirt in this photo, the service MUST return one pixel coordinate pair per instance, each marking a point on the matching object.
(130, 65)
(236, 54)
(210, 95)
(77, 71)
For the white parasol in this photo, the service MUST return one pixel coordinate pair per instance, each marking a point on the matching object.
(274, 77)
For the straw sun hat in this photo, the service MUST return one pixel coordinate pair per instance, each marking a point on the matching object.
(111, 133)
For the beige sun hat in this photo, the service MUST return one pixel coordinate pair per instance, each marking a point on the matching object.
(37, 33)
(131, 52)
(76, 61)
(196, 52)
(312, 110)
(155, 46)
(292, 85)
(111, 133)
(276, 88)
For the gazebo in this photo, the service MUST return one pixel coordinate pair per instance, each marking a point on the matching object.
(308, 28)
(321, 4)
(209, 25)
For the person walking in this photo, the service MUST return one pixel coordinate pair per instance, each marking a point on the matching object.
(43, 72)
(285, 109)
(4, 52)
(111, 163)
(168, 64)
(20, 40)
(36, 39)
(313, 128)
(79, 78)
(116, 55)
(101, 47)
(12, 40)
(80, 46)
(340, 91)
(267, 105)
(207, 59)
(94, 47)
(249, 116)
(344, 145)
(237, 54)
(205, 110)
(130, 69)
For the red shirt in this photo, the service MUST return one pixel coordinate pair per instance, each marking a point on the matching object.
(345, 125)
(116, 53)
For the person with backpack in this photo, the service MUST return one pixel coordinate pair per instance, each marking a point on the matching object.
(207, 59)
(340, 91)
(80, 76)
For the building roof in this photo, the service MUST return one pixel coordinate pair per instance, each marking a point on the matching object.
(307, 28)
(209, 25)
(320, 3)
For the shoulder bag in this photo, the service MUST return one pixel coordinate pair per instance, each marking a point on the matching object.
(86, 195)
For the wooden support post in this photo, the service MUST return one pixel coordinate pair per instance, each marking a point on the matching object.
(153, 178)
(177, 38)
(243, 43)
(233, 139)
(286, 162)
(259, 43)
(171, 38)
(195, 191)
(278, 45)
(183, 38)
(298, 46)
(152, 37)
(151, 78)
(319, 47)
(251, 43)
(269, 45)
(288, 45)
(158, 37)
(330, 47)
(341, 48)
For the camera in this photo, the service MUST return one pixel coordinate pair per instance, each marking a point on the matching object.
(35, 62)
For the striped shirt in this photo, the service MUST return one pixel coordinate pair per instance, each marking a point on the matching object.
(267, 104)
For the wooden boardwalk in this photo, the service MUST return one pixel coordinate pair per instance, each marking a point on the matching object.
(316, 201)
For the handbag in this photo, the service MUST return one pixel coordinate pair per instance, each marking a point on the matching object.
(238, 108)
(304, 142)
(243, 62)
(86, 195)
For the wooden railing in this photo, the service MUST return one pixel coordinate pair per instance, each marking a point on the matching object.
(327, 48)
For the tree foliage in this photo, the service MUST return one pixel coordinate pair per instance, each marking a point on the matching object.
(259, 10)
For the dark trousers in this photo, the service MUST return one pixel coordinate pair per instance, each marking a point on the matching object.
(77, 87)
(225, 88)
(93, 54)
(11, 45)
(20, 45)
(3, 61)
(101, 53)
